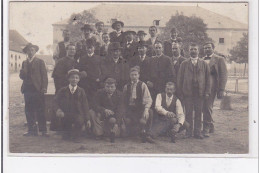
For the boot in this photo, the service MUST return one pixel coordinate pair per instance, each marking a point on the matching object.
(173, 136)
(205, 131)
(198, 135)
(143, 136)
(211, 128)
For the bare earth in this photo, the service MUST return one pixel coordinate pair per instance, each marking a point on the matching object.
(231, 132)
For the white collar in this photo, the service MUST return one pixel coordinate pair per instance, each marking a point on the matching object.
(132, 82)
(118, 32)
(107, 43)
(142, 57)
(129, 42)
(176, 57)
(75, 87)
(115, 60)
(194, 59)
(90, 55)
(170, 98)
(210, 55)
(159, 55)
(30, 60)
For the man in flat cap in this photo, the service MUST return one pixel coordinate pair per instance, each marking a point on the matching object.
(129, 46)
(141, 60)
(35, 82)
(60, 50)
(168, 43)
(108, 111)
(114, 66)
(63, 66)
(71, 106)
(99, 32)
(118, 34)
(137, 104)
(152, 40)
(90, 67)
(218, 80)
(141, 35)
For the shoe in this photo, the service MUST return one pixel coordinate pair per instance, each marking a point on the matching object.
(45, 134)
(112, 137)
(198, 136)
(149, 140)
(206, 133)
(212, 128)
(173, 137)
(28, 134)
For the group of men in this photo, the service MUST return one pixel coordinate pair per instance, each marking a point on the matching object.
(118, 84)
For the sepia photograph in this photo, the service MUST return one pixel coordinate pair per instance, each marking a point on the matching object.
(128, 78)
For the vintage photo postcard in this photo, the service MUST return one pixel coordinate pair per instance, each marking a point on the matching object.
(129, 78)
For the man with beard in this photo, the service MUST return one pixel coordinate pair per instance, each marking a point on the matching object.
(118, 34)
(218, 79)
(60, 50)
(152, 40)
(130, 46)
(194, 86)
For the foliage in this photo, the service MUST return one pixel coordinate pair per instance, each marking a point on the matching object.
(239, 53)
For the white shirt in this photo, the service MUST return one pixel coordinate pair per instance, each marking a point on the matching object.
(118, 33)
(142, 58)
(153, 40)
(194, 60)
(160, 110)
(115, 60)
(72, 89)
(90, 55)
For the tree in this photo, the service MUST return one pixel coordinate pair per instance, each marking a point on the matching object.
(239, 53)
(190, 29)
(76, 21)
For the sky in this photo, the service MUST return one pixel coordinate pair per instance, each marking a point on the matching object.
(33, 20)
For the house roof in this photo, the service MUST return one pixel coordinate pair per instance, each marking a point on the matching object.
(46, 58)
(144, 15)
(16, 41)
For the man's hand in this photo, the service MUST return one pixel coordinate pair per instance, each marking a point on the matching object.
(170, 115)
(83, 74)
(43, 91)
(220, 94)
(97, 80)
(149, 84)
(88, 124)
(146, 114)
(109, 112)
(59, 113)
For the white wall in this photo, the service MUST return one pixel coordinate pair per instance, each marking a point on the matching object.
(15, 61)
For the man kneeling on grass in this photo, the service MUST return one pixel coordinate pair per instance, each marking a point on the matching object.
(71, 106)
(169, 117)
(108, 111)
(137, 103)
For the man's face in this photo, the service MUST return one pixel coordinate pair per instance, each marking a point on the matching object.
(110, 88)
(87, 33)
(118, 26)
(66, 36)
(176, 50)
(208, 49)
(141, 37)
(90, 49)
(106, 38)
(129, 37)
(134, 76)
(173, 35)
(71, 51)
(100, 27)
(194, 52)
(31, 52)
(116, 53)
(142, 50)
(152, 32)
(170, 89)
(74, 79)
(158, 49)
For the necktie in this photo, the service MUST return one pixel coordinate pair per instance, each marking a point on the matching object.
(72, 90)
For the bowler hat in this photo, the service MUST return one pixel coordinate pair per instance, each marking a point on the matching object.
(141, 32)
(28, 46)
(115, 46)
(116, 22)
(135, 68)
(73, 71)
(87, 27)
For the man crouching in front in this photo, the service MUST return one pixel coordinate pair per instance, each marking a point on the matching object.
(71, 106)
(137, 103)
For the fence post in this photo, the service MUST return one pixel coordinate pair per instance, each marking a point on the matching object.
(236, 86)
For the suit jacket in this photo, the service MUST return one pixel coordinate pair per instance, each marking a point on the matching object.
(114, 38)
(185, 76)
(219, 65)
(130, 50)
(62, 101)
(118, 71)
(114, 103)
(144, 66)
(161, 72)
(104, 50)
(177, 65)
(150, 50)
(81, 48)
(39, 74)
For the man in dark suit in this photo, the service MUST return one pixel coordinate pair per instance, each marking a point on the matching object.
(35, 82)
(141, 60)
(108, 111)
(60, 50)
(161, 71)
(118, 34)
(194, 86)
(90, 67)
(105, 47)
(114, 66)
(152, 40)
(141, 35)
(130, 46)
(168, 43)
(62, 67)
(176, 57)
(218, 79)
(71, 106)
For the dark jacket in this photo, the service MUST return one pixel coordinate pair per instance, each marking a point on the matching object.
(114, 38)
(81, 48)
(104, 51)
(185, 77)
(177, 65)
(118, 71)
(161, 72)
(167, 47)
(144, 66)
(114, 103)
(39, 74)
(219, 65)
(150, 50)
(62, 101)
(129, 50)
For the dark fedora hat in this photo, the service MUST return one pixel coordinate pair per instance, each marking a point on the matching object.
(130, 32)
(116, 22)
(87, 27)
(141, 32)
(29, 45)
(141, 44)
(115, 46)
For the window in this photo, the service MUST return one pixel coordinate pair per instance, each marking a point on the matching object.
(19, 57)
(15, 57)
(11, 55)
(11, 64)
(156, 22)
(221, 41)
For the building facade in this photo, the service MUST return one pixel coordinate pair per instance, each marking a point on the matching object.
(15, 60)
